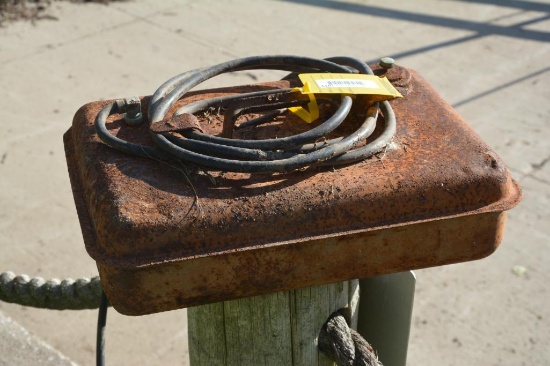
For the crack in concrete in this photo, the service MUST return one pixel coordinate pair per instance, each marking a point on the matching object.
(539, 166)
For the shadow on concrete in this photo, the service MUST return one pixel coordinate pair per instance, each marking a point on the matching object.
(480, 28)
(501, 87)
(516, 4)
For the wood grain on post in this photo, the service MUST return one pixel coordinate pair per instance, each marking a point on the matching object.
(276, 329)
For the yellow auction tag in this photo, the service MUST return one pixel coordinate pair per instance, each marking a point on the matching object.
(377, 89)
(307, 115)
(330, 83)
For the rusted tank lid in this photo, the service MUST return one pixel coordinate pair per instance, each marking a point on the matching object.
(136, 212)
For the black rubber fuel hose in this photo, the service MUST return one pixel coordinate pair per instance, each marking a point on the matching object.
(267, 155)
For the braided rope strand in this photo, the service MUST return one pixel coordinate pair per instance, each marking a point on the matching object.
(67, 294)
(344, 345)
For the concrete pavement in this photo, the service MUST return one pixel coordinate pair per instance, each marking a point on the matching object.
(19, 347)
(488, 58)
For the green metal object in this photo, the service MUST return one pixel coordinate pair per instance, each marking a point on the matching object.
(386, 62)
(385, 312)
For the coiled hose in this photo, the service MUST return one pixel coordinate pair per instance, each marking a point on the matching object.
(255, 156)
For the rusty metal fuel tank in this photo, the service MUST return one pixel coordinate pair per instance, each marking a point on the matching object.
(165, 237)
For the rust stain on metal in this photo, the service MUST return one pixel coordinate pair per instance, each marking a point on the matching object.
(177, 123)
(435, 197)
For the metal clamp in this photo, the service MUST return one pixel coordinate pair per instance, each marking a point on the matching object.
(132, 109)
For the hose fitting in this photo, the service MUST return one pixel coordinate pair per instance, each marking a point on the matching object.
(131, 107)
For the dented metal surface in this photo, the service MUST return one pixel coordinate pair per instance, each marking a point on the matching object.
(167, 237)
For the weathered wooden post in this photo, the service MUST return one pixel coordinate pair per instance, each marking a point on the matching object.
(262, 259)
(274, 329)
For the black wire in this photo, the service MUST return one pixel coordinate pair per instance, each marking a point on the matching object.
(270, 155)
(101, 323)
